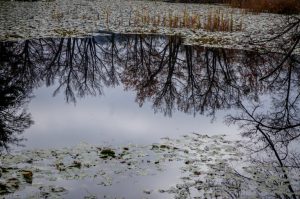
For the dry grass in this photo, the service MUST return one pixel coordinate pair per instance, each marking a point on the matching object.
(214, 20)
(107, 15)
(271, 6)
(218, 21)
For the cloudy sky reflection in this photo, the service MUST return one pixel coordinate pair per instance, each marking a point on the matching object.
(113, 118)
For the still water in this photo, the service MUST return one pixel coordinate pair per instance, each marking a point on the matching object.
(142, 116)
(100, 96)
(114, 117)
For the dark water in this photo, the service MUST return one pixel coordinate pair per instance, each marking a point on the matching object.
(119, 89)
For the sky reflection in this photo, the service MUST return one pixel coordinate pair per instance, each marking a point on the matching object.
(113, 118)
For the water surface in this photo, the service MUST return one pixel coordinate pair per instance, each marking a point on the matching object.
(91, 89)
(73, 98)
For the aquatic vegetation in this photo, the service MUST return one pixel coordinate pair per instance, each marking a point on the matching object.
(27, 174)
(214, 20)
(218, 21)
(210, 166)
(107, 12)
(105, 153)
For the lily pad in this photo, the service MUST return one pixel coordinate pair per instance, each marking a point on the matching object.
(27, 174)
(105, 153)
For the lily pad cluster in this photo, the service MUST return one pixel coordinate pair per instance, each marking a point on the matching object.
(209, 167)
(216, 167)
(40, 170)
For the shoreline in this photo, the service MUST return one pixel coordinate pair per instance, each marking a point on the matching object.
(28, 20)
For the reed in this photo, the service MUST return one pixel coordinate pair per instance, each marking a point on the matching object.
(214, 20)
(218, 21)
(107, 15)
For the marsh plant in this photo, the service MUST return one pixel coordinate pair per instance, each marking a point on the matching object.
(214, 20)
(107, 14)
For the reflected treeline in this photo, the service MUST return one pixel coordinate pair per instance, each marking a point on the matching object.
(16, 74)
(170, 75)
(159, 69)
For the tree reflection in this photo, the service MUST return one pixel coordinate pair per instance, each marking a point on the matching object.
(15, 88)
(160, 69)
(193, 79)
(78, 66)
(274, 126)
(263, 87)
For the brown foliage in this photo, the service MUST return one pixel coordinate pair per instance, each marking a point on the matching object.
(214, 20)
(272, 6)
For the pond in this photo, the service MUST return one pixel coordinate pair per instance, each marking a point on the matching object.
(95, 117)
(93, 103)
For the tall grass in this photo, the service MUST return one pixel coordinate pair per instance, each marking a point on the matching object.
(214, 20)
